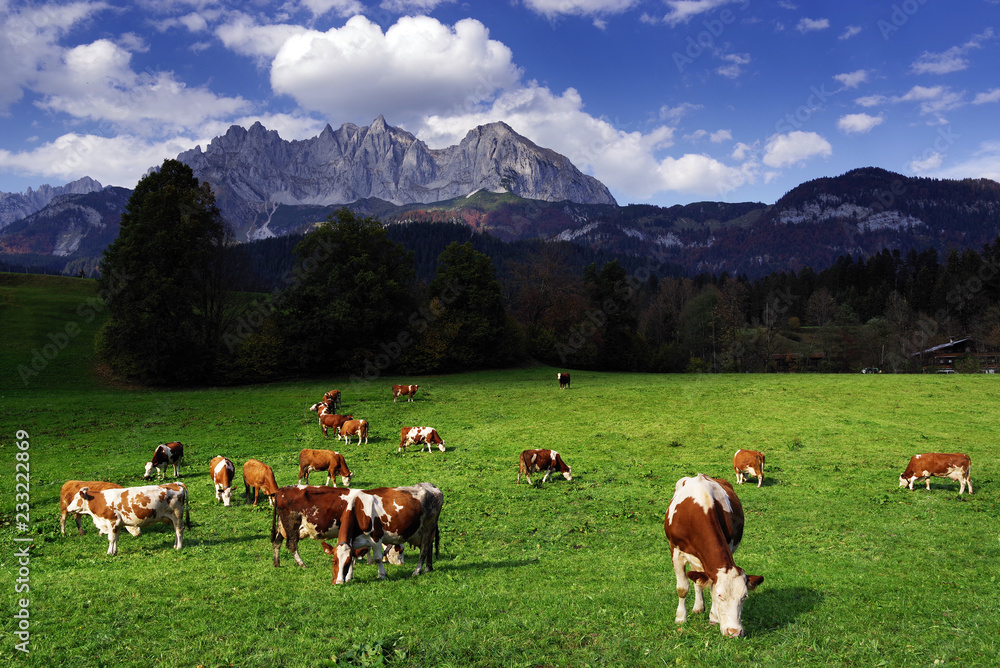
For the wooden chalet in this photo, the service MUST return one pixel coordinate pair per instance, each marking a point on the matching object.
(942, 358)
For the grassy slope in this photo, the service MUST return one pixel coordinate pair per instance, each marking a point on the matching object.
(857, 572)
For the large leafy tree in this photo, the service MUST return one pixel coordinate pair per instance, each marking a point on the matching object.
(163, 280)
(349, 299)
(470, 328)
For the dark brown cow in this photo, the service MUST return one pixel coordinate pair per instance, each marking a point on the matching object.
(747, 463)
(922, 467)
(419, 436)
(164, 455)
(403, 391)
(533, 461)
(704, 525)
(352, 428)
(563, 380)
(223, 471)
(69, 490)
(259, 477)
(133, 508)
(399, 515)
(332, 399)
(330, 461)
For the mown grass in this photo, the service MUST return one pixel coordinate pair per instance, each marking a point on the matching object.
(857, 572)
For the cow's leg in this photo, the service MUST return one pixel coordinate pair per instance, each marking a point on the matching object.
(699, 599)
(62, 522)
(928, 484)
(329, 476)
(179, 530)
(968, 481)
(113, 540)
(546, 476)
(682, 587)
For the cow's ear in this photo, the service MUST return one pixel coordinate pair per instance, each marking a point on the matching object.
(699, 577)
(753, 581)
(85, 493)
(329, 549)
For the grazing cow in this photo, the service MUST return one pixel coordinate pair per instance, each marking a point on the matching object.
(398, 515)
(704, 525)
(133, 508)
(748, 463)
(307, 511)
(354, 427)
(258, 476)
(542, 460)
(419, 435)
(324, 460)
(332, 399)
(403, 390)
(164, 454)
(922, 467)
(223, 471)
(69, 490)
(563, 380)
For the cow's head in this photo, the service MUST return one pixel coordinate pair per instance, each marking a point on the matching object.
(80, 501)
(149, 471)
(227, 497)
(315, 407)
(729, 591)
(568, 473)
(394, 555)
(903, 482)
(343, 560)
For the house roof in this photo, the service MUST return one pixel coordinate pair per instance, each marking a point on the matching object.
(940, 347)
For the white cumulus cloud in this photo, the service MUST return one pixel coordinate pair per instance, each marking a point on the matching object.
(810, 25)
(854, 124)
(783, 150)
(852, 79)
(418, 66)
(992, 95)
(552, 8)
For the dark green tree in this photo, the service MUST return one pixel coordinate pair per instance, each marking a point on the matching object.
(164, 280)
(349, 302)
(471, 328)
(615, 317)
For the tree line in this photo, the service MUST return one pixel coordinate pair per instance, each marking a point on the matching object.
(187, 305)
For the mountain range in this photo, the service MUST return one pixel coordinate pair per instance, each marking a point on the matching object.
(499, 182)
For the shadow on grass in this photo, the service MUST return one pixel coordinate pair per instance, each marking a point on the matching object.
(482, 565)
(771, 608)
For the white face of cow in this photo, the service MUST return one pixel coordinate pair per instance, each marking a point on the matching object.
(78, 503)
(343, 563)
(728, 594)
(227, 496)
(903, 482)
(568, 474)
(149, 471)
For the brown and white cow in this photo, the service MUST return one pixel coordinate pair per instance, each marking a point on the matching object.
(399, 515)
(330, 461)
(563, 380)
(403, 391)
(223, 471)
(307, 511)
(748, 463)
(69, 490)
(259, 477)
(420, 436)
(357, 428)
(164, 455)
(533, 461)
(704, 525)
(332, 399)
(329, 420)
(922, 467)
(133, 508)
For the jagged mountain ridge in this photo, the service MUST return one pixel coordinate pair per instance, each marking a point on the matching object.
(15, 206)
(858, 213)
(253, 171)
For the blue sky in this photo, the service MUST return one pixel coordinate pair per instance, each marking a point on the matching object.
(665, 101)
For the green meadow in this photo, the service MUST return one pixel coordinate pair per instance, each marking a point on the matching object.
(857, 572)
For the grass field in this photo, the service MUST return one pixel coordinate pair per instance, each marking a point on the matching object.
(857, 572)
